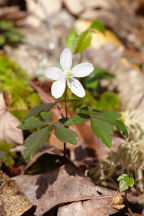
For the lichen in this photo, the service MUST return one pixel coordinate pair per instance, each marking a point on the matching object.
(129, 156)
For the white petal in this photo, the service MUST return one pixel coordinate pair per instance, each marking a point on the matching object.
(54, 73)
(82, 70)
(76, 87)
(58, 88)
(66, 59)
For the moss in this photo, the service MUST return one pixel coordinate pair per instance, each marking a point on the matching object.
(6, 155)
(23, 95)
(108, 101)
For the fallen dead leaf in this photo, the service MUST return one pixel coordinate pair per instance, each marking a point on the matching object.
(95, 207)
(117, 201)
(63, 185)
(8, 123)
(13, 202)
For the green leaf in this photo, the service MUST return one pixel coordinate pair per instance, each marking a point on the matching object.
(100, 73)
(96, 24)
(109, 116)
(82, 41)
(92, 81)
(31, 124)
(108, 101)
(47, 116)
(35, 141)
(6, 156)
(78, 118)
(125, 182)
(36, 110)
(2, 40)
(5, 25)
(103, 130)
(92, 84)
(112, 117)
(102, 123)
(121, 127)
(70, 39)
(64, 134)
(14, 36)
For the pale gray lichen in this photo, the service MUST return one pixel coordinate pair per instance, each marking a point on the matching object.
(129, 157)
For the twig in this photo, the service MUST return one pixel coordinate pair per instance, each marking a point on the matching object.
(127, 203)
(139, 102)
(17, 110)
(134, 55)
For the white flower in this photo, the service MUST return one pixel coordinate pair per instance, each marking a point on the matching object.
(66, 74)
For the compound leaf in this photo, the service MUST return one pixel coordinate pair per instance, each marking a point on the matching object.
(46, 116)
(102, 123)
(31, 124)
(125, 182)
(78, 118)
(35, 141)
(64, 134)
(42, 107)
(103, 130)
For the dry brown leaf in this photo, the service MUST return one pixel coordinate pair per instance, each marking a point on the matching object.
(63, 185)
(117, 201)
(50, 151)
(95, 207)
(8, 123)
(13, 202)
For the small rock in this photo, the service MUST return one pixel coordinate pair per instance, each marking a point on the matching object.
(37, 13)
(97, 4)
(75, 7)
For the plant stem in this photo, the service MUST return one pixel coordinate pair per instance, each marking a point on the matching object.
(127, 203)
(65, 101)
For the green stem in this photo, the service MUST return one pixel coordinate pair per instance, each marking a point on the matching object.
(65, 101)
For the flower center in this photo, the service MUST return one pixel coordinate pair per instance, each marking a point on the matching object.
(68, 74)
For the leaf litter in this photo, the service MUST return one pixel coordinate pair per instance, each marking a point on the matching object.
(8, 125)
(64, 185)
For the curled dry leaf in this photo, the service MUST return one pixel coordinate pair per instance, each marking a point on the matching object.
(8, 123)
(117, 201)
(12, 199)
(63, 185)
